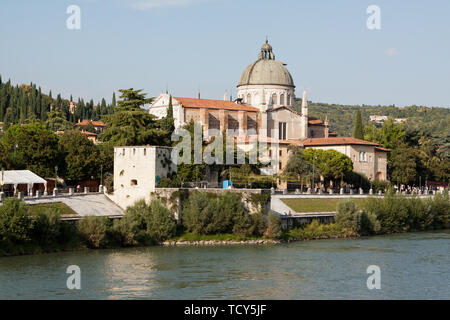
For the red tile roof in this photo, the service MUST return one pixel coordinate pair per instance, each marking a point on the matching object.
(382, 149)
(336, 141)
(94, 123)
(214, 104)
(87, 133)
(315, 121)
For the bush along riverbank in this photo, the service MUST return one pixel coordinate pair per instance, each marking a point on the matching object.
(209, 219)
(376, 216)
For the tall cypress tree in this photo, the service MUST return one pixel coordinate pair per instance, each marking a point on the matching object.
(358, 131)
(114, 100)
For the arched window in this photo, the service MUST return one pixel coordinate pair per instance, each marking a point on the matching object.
(249, 99)
(282, 99)
(288, 101)
(274, 99)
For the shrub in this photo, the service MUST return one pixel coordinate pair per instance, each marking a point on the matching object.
(15, 222)
(350, 217)
(274, 226)
(124, 231)
(92, 230)
(439, 210)
(47, 227)
(316, 230)
(161, 225)
(198, 213)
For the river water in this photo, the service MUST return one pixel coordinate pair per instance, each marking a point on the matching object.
(413, 266)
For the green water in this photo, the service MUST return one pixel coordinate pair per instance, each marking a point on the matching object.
(413, 266)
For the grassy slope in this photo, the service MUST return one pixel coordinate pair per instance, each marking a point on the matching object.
(41, 207)
(316, 205)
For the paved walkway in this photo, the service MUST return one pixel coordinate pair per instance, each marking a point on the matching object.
(278, 206)
(84, 205)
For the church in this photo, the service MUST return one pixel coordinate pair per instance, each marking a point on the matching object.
(265, 107)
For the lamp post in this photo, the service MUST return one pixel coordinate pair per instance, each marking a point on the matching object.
(3, 178)
(56, 175)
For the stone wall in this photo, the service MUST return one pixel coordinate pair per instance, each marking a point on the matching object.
(175, 197)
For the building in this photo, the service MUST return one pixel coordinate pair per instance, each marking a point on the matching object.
(137, 171)
(265, 107)
(98, 126)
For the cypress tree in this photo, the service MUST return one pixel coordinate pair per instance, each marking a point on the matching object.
(114, 99)
(358, 131)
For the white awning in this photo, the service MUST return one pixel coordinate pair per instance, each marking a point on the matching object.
(16, 177)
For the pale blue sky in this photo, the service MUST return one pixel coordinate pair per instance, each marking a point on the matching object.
(206, 44)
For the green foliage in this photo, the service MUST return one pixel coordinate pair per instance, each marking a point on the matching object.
(397, 213)
(124, 231)
(15, 223)
(273, 230)
(56, 121)
(316, 230)
(225, 213)
(331, 164)
(161, 225)
(92, 230)
(132, 125)
(350, 217)
(80, 154)
(145, 222)
(358, 131)
(48, 228)
(32, 147)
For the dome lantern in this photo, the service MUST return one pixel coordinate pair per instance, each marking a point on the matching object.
(266, 52)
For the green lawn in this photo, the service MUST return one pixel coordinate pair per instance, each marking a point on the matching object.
(317, 205)
(62, 207)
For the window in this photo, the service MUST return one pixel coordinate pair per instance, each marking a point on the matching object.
(281, 166)
(133, 182)
(270, 153)
(288, 102)
(249, 99)
(274, 99)
(281, 153)
(282, 99)
(282, 130)
(362, 156)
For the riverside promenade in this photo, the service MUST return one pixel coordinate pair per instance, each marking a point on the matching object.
(90, 204)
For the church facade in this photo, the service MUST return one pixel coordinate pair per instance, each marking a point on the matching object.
(265, 107)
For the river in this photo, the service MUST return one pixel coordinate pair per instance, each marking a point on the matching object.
(412, 265)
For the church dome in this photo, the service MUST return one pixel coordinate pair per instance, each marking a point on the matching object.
(266, 70)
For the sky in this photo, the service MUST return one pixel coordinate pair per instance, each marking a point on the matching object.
(187, 46)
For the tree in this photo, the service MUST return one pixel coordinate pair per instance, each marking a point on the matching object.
(80, 154)
(161, 225)
(32, 147)
(332, 165)
(15, 222)
(56, 121)
(358, 128)
(131, 125)
(403, 165)
(298, 168)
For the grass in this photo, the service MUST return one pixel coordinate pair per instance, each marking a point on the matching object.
(61, 207)
(317, 205)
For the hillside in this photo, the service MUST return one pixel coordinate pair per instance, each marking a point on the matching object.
(427, 121)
